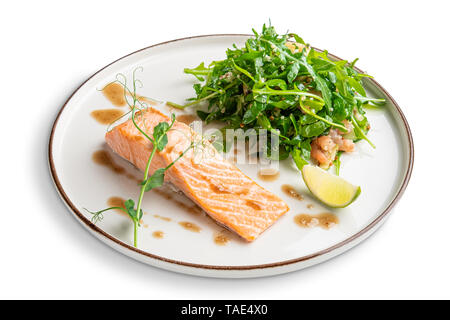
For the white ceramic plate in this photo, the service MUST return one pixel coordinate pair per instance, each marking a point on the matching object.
(382, 173)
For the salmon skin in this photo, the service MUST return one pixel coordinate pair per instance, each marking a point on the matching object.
(225, 193)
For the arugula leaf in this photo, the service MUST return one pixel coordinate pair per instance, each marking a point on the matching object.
(357, 86)
(278, 83)
(297, 38)
(253, 112)
(315, 129)
(298, 159)
(294, 123)
(202, 114)
(293, 70)
(198, 71)
(264, 122)
(264, 85)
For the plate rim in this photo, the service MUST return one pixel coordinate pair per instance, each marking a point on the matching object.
(99, 232)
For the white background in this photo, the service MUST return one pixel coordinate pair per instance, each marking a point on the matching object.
(48, 48)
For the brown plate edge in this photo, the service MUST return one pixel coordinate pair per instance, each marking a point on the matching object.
(96, 229)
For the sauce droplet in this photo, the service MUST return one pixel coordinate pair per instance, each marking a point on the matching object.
(221, 239)
(106, 116)
(266, 176)
(291, 192)
(162, 218)
(114, 92)
(158, 234)
(117, 202)
(323, 220)
(103, 158)
(189, 226)
(310, 206)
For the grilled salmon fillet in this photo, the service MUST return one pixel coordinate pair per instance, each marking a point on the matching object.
(217, 186)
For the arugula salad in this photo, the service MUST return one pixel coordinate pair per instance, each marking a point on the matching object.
(280, 83)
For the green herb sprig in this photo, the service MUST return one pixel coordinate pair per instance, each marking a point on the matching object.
(158, 140)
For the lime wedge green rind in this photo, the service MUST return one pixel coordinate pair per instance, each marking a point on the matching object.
(331, 190)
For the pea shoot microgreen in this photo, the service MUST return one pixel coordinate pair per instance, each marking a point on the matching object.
(158, 139)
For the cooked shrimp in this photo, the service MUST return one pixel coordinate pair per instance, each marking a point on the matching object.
(348, 125)
(294, 46)
(324, 148)
(346, 145)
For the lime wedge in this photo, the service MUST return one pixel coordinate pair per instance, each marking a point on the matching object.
(330, 189)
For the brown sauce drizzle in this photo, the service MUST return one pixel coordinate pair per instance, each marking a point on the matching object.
(190, 226)
(158, 234)
(162, 218)
(323, 220)
(187, 118)
(221, 239)
(268, 177)
(117, 202)
(114, 92)
(106, 116)
(290, 191)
